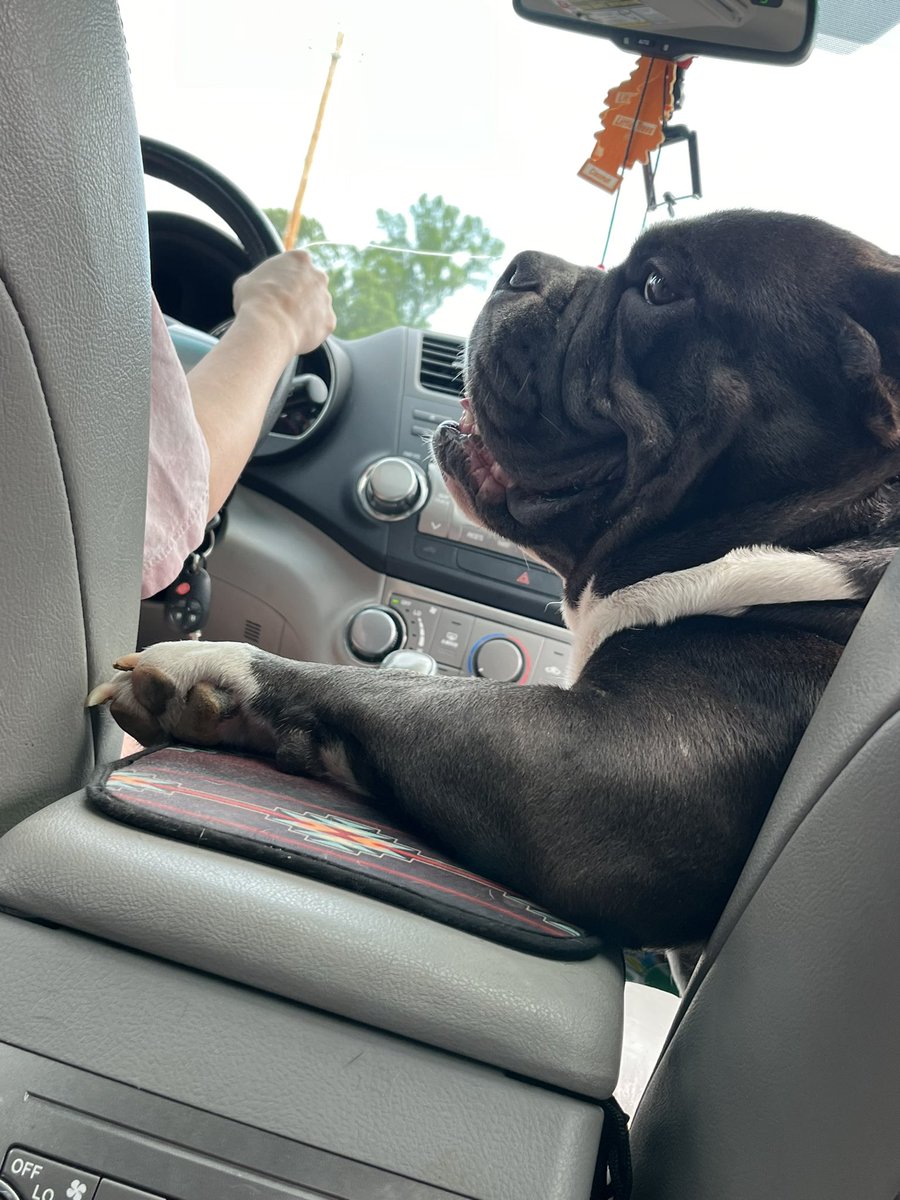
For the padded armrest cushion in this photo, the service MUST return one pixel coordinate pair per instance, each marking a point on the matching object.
(241, 804)
(558, 1023)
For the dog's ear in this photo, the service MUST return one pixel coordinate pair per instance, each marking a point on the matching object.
(862, 363)
(868, 346)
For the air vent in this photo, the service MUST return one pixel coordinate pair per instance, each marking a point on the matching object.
(252, 631)
(441, 366)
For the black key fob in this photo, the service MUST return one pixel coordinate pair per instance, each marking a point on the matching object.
(187, 601)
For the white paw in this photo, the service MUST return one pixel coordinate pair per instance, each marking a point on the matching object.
(197, 692)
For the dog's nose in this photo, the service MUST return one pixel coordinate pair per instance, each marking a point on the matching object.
(523, 274)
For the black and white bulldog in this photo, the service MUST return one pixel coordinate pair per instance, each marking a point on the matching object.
(704, 442)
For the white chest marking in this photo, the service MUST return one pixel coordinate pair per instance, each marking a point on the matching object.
(741, 579)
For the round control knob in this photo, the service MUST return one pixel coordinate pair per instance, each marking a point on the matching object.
(392, 489)
(6, 1192)
(499, 659)
(374, 633)
(410, 660)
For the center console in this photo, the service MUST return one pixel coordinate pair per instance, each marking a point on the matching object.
(180, 1024)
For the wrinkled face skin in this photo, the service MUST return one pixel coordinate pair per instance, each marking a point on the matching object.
(730, 364)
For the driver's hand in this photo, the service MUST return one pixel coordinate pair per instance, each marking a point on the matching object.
(290, 296)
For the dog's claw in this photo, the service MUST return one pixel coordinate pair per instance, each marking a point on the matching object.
(104, 692)
(101, 694)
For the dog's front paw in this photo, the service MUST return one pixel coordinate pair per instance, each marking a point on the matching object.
(197, 692)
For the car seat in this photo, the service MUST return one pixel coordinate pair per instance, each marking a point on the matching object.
(74, 388)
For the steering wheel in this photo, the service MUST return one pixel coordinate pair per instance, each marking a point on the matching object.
(251, 227)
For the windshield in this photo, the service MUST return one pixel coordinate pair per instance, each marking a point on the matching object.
(452, 135)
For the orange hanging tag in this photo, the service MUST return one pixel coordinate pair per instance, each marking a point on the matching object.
(632, 122)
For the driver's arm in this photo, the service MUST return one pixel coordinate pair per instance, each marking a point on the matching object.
(282, 308)
(203, 426)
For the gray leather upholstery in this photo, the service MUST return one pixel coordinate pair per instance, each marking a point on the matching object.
(74, 388)
(781, 1076)
(558, 1023)
(366, 1101)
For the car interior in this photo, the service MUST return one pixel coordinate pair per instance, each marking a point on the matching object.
(178, 1022)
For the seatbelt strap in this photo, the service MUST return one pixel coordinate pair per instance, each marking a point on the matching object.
(612, 1175)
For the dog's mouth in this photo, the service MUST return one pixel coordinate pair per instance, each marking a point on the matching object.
(491, 492)
(490, 481)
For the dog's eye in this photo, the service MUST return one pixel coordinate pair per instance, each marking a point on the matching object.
(657, 291)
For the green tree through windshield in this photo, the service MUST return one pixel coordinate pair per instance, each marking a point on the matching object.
(434, 251)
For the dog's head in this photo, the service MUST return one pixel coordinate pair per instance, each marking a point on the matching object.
(733, 370)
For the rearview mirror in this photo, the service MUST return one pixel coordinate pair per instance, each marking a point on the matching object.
(779, 31)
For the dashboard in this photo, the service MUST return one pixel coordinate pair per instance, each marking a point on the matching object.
(342, 544)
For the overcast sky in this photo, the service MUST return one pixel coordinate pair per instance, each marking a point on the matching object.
(465, 99)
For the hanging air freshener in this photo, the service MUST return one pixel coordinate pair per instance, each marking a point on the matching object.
(632, 122)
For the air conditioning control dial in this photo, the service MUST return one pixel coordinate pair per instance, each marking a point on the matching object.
(374, 633)
(499, 659)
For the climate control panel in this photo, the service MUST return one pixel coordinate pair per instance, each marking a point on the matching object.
(29, 1176)
(463, 640)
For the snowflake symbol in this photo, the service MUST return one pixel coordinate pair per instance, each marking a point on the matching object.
(76, 1190)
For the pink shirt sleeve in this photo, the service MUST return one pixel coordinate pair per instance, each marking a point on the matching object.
(178, 468)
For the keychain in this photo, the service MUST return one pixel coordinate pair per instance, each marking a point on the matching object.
(186, 601)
